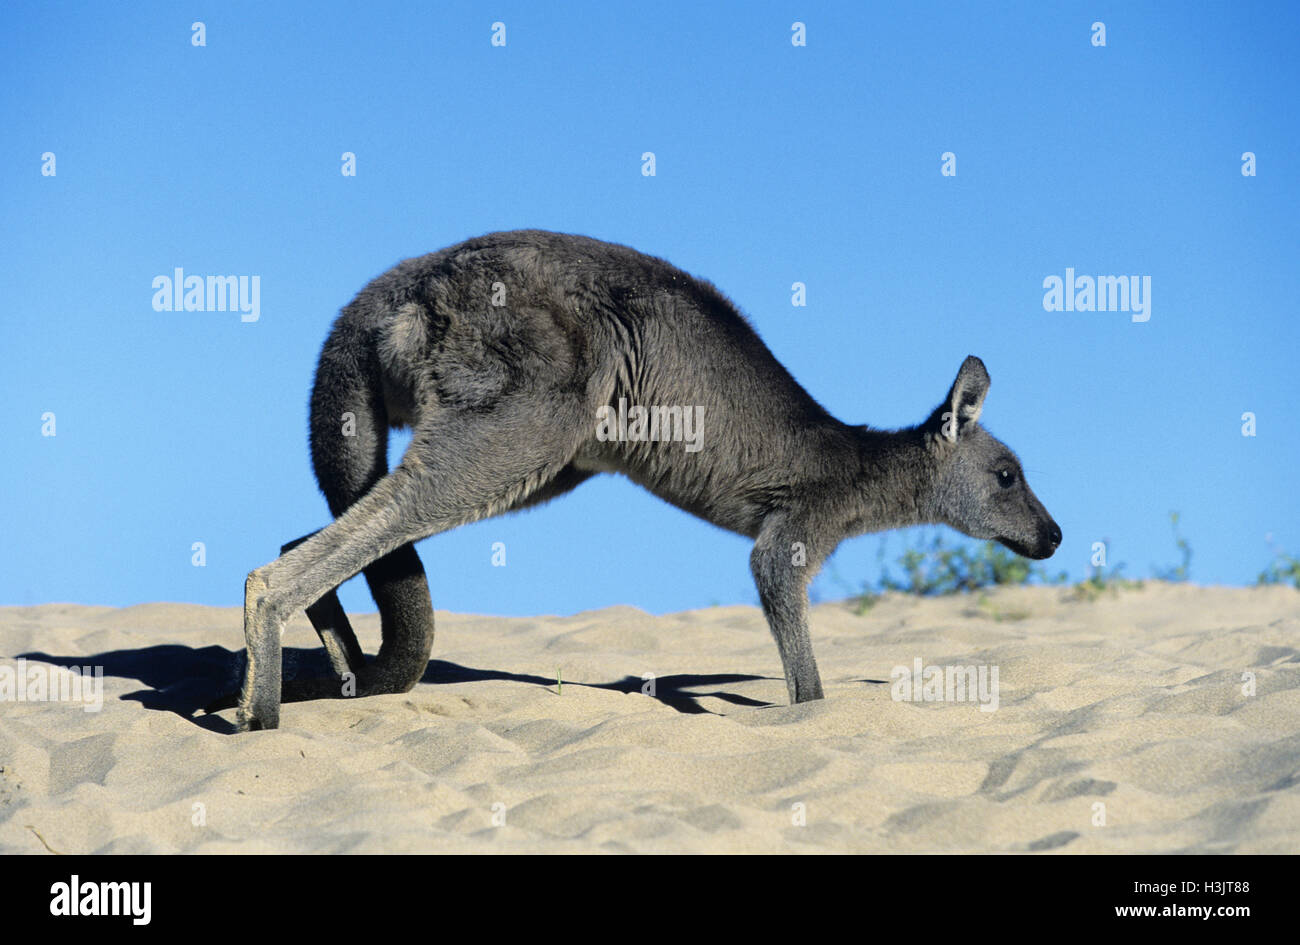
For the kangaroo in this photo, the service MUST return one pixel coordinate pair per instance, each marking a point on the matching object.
(507, 356)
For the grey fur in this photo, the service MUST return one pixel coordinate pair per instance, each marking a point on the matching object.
(503, 404)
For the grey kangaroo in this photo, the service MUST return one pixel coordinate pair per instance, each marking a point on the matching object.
(499, 353)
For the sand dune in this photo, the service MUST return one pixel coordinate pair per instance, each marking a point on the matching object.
(1160, 720)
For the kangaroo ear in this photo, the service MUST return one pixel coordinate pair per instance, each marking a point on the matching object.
(965, 400)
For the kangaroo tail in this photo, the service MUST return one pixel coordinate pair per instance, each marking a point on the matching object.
(349, 453)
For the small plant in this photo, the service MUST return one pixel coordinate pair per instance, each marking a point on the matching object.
(1182, 571)
(863, 602)
(989, 609)
(1100, 581)
(1284, 569)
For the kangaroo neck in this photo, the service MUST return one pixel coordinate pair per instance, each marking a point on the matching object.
(894, 481)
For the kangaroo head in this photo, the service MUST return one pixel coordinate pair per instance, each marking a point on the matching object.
(978, 486)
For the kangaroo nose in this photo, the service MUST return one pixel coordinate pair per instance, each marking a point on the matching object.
(1054, 535)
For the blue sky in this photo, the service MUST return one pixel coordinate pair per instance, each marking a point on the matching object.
(775, 164)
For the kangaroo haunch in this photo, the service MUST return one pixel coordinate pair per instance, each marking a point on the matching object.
(507, 356)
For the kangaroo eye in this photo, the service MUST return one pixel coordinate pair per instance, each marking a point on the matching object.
(1006, 478)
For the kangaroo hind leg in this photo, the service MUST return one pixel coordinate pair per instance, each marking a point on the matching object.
(461, 467)
(350, 417)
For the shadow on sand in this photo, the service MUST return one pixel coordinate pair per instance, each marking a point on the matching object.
(187, 680)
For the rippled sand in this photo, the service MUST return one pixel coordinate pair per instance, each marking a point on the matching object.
(1160, 720)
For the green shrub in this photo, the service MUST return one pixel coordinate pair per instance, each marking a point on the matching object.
(1284, 569)
(931, 567)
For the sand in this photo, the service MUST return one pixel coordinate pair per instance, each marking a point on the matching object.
(1159, 720)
